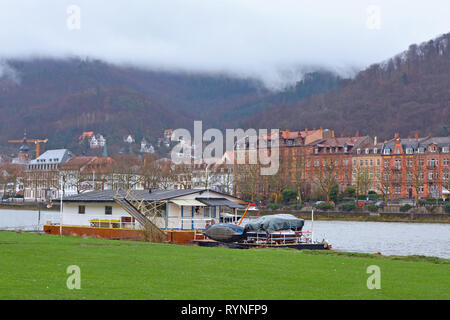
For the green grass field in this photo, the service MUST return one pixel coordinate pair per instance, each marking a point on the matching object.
(33, 266)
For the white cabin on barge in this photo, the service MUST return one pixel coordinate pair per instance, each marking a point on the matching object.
(187, 209)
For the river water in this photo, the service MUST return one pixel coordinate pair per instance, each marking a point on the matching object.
(388, 238)
(27, 220)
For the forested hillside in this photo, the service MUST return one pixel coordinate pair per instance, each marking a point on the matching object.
(60, 98)
(410, 92)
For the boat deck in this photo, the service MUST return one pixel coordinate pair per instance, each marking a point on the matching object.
(243, 245)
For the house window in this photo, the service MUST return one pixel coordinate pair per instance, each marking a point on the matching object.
(108, 210)
(358, 151)
(81, 209)
(398, 189)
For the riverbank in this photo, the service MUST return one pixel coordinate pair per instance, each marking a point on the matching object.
(367, 216)
(142, 270)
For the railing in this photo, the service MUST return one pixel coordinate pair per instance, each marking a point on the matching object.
(114, 223)
(280, 237)
(190, 223)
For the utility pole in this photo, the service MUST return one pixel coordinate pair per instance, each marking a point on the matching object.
(61, 205)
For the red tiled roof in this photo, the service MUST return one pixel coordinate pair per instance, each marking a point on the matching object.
(76, 162)
(87, 134)
(308, 133)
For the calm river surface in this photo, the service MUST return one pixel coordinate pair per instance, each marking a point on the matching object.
(388, 238)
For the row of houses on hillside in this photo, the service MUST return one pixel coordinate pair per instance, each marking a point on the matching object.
(313, 160)
(60, 170)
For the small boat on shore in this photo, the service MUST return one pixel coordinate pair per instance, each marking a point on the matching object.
(276, 231)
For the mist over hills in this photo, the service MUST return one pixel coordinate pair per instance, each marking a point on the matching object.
(59, 98)
(408, 93)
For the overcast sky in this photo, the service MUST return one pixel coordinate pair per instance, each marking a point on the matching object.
(270, 39)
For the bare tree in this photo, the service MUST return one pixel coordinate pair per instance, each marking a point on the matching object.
(415, 174)
(362, 181)
(325, 177)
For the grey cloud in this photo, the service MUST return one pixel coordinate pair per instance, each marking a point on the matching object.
(275, 41)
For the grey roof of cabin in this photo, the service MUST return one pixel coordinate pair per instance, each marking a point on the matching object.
(109, 195)
(53, 157)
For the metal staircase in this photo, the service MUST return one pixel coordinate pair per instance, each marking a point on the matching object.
(144, 213)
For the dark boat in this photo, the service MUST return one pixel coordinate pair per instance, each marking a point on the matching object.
(225, 232)
(275, 231)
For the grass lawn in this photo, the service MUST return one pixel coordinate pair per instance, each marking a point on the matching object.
(33, 266)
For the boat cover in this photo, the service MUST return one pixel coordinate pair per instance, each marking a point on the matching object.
(224, 232)
(275, 222)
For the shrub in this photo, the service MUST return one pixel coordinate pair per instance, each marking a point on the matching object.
(334, 193)
(447, 208)
(372, 208)
(349, 192)
(405, 207)
(374, 196)
(274, 206)
(288, 195)
(347, 207)
(297, 207)
(431, 209)
(324, 206)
